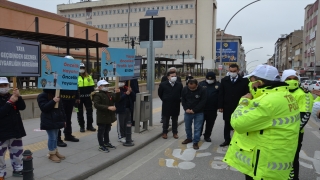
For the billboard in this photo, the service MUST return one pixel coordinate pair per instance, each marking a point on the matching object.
(117, 62)
(229, 52)
(159, 29)
(137, 67)
(59, 73)
(19, 57)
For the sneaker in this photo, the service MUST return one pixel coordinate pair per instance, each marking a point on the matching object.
(123, 140)
(60, 143)
(103, 149)
(17, 173)
(71, 138)
(109, 145)
(82, 130)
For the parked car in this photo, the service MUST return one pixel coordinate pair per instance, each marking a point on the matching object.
(305, 83)
(311, 85)
(316, 86)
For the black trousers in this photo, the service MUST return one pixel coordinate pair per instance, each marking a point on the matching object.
(68, 107)
(209, 118)
(248, 177)
(122, 120)
(86, 101)
(165, 124)
(227, 130)
(103, 133)
(296, 165)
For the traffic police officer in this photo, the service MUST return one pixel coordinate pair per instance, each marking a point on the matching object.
(86, 87)
(305, 102)
(266, 128)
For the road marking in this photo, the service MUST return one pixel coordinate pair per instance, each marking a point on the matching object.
(316, 162)
(306, 165)
(139, 163)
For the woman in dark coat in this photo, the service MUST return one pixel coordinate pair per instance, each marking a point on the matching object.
(52, 119)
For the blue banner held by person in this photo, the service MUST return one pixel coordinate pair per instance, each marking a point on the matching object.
(117, 62)
(229, 52)
(58, 73)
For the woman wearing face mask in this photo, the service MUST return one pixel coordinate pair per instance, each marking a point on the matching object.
(211, 107)
(11, 128)
(266, 128)
(305, 102)
(124, 108)
(104, 102)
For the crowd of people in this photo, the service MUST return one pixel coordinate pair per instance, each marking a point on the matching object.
(264, 115)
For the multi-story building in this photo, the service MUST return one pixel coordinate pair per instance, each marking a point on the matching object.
(310, 48)
(233, 51)
(190, 25)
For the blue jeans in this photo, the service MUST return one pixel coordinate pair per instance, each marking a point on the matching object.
(198, 120)
(52, 139)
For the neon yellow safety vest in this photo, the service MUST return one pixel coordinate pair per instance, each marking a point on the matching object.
(317, 99)
(86, 81)
(266, 134)
(305, 101)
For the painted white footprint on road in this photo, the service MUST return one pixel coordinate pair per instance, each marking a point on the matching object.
(186, 155)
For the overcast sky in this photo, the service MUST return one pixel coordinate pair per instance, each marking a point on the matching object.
(260, 24)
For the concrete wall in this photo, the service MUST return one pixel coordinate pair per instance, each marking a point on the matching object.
(33, 111)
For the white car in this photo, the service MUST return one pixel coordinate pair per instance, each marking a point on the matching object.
(311, 85)
(316, 86)
(305, 84)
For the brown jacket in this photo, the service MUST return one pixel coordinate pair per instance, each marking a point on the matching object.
(101, 101)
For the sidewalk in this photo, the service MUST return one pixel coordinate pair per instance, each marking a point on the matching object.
(83, 158)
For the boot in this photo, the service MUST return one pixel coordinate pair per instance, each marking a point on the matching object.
(53, 157)
(61, 157)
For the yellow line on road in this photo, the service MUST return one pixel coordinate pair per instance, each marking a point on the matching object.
(44, 144)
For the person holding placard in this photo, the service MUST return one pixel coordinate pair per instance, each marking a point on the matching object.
(52, 119)
(11, 128)
(86, 87)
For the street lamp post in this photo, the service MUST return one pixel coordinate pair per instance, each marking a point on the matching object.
(222, 32)
(182, 59)
(132, 41)
(248, 52)
(251, 62)
(202, 58)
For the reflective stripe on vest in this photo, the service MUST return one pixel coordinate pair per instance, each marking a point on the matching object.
(243, 158)
(280, 166)
(286, 120)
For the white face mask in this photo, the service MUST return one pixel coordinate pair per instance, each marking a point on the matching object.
(121, 84)
(105, 89)
(81, 71)
(210, 81)
(4, 90)
(233, 74)
(173, 79)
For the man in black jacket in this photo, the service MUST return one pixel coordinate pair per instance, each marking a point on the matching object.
(11, 128)
(232, 88)
(210, 110)
(170, 94)
(194, 99)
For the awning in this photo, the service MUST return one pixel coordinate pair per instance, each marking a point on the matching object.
(51, 39)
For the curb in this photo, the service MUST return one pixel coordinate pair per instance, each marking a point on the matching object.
(116, 159)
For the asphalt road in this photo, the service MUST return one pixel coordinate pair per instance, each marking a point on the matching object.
(169, 159)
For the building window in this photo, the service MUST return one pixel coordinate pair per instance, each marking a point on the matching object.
(176, 36)
(172, 7)
(118, 25)
(72, 15)
(177, 7)
(181, 36)
(181, 6)
(110, 39)
(167, 7)
(144, 9)
(122, 11)
(68, 15)
(186, 36)
(101, 26)
(113, 39)
(118, 39)
(186, 21)
(106, 12)
(98, 26)
(181, 21)
(191, 36)
(89, 22)
(162, 8)
(118, 11)
(114, 25)
(76, 15)
(127, 10)
(125, 24)
(110, 11)
(171, 22)
(158, 7)
(134, 24)
(98, 13)
(139, 9)
(135, 9)
(106, 26)
(114, 12)
(191, 5)
(191, 21)
(166, 36)
(101, 13)
(121, 25)
(130, 24)
(171, 36)
(177, 22)
(83, 14)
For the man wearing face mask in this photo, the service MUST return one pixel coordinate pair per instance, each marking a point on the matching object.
(124, 108)
(267, 126)
(193, 99)
(170, 94)
(305, 102)
(11, 128)
(165, 78)
(210, 110)
(86, 87)
(232, 88)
